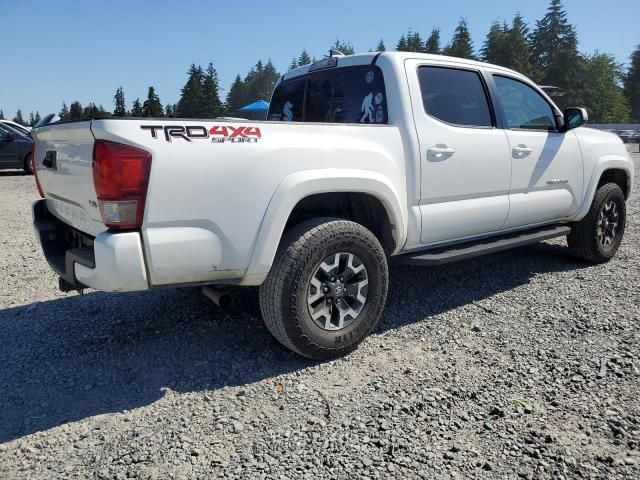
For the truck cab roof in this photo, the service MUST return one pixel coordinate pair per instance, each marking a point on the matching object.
(395, 57)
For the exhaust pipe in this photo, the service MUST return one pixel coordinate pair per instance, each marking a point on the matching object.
(219, 297)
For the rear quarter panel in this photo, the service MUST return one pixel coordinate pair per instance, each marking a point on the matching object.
(221, 191)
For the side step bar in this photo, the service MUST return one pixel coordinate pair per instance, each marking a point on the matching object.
(463, 251)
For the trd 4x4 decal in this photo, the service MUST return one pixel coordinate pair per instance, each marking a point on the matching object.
(217, 133)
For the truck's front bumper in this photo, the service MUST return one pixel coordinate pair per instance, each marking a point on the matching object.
(111, 262)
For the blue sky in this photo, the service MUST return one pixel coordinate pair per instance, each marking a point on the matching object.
(83, 50)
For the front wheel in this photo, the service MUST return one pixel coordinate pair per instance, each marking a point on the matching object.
(326, 289)
(597, 236)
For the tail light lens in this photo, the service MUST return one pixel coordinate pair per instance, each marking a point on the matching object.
(34, 170)
(120, 177)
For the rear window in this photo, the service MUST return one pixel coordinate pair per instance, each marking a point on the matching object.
(454, 96)
(287, 100)
(343, 95)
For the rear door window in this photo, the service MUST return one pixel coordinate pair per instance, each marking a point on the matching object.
(455, 96)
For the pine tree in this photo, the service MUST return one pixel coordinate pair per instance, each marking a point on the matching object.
(37, 118)
(212, 106)
(402, 44)
(304, 58)
(136, 108)
(237, 96)
(75, 111)
(432, 45)
(343, 47)
(293, 64)
(152, 106)
(260, 81)
(18, 118)
(555, 53)
(496, 46)
(191, 96)
(632, 85)
(552, 35)
(121, 107)
(91, 111)
(1, 115)
(380, 47)
(101, 112)
(170, 110)
(519, 51)
(602, 93)
(414, 42)
(64, 112)
(461, 44)
(32, 120)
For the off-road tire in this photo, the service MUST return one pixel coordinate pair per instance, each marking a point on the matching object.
(283, 295)
(583, 239)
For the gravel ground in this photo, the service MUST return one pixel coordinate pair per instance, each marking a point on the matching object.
(524, 364)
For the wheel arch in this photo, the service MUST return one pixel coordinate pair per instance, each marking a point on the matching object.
(366, 194)
(618, 176)
(610, 169)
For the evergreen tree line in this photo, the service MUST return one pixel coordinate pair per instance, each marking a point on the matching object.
(547, 53)
(19, 118)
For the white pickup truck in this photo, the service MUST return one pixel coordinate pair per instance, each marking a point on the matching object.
(427, 159)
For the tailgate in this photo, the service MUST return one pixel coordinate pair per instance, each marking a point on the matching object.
(64, 168)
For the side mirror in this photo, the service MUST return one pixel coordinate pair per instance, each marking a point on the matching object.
(575, 117)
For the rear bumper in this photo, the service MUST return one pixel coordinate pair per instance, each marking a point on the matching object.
(110, 262)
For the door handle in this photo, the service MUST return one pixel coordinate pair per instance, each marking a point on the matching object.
(521, 150)
(440, 151)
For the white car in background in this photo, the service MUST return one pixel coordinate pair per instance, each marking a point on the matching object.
(16, 126)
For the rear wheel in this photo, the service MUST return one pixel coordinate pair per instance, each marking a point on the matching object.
(597, 236)
(326, 289)
(28, 167)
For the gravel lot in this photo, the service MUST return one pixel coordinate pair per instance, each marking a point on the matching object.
(524, 364)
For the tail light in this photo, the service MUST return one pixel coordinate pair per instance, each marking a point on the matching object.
(34, 170)
(120, 177)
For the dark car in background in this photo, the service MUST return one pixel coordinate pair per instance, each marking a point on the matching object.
(15, 149)
(16, 126)
(629, 136)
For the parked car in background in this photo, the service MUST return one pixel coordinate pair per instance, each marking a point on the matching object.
(16, 126)
(629, 136)
(15, 149)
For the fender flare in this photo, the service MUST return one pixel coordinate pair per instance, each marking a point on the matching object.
(302, 184)
(608, 162)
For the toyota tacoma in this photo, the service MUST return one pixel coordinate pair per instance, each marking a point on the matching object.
(362, 158)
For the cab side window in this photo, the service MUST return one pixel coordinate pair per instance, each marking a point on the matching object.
(523, 107)
(454, 96)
